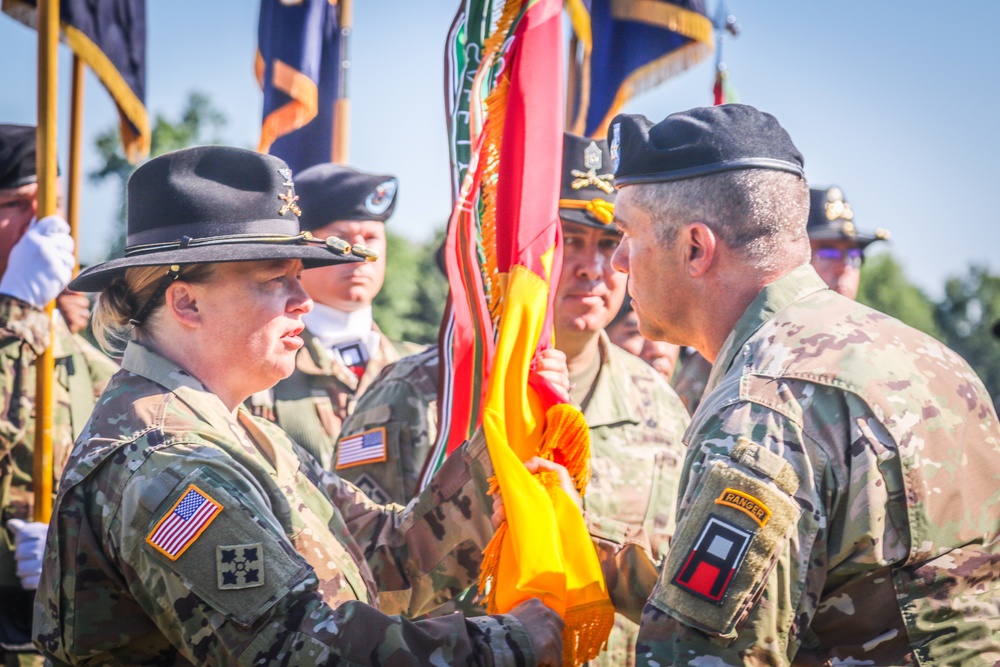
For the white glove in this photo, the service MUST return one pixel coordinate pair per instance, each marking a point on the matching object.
(41, 262)
(29, 547)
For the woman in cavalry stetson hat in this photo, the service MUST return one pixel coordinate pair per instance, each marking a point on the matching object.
(187, 531)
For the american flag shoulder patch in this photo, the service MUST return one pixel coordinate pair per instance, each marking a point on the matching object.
(184, 523)
(356, 450)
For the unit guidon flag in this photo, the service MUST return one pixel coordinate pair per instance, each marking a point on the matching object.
(184, 523)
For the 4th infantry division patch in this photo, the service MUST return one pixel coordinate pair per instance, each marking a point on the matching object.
(184, 523)
(239, 566)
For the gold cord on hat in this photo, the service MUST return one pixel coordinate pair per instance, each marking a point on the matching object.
(603, 211)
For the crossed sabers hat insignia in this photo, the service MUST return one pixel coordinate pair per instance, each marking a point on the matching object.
(592, 160)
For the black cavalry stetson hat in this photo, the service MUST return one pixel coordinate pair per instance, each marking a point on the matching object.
(213, 204)
(588, 186)
(699, 142)
(831, 218)
(336, 192)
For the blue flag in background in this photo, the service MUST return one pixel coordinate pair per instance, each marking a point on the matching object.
(110, 37)
(298, 68)
(627, 47)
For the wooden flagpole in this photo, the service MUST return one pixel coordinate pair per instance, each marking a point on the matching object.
(48, 46)
(342, 105)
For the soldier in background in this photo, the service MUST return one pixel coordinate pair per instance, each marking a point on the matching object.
(838, 247)
(345, 350)
(636, 421)
(36, 262)
(838, 250)
(841, 481)
(624, 332)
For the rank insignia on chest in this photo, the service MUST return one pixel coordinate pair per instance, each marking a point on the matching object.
(715, 557)
(184, 523)
(239, 566)
(356, 450)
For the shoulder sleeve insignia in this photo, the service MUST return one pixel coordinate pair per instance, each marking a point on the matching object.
(745, 503)
(356, 450)
(716, 555)
(239, 566)
(725, 548)
(184, 523)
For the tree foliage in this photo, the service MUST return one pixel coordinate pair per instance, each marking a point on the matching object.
(962, 319)
(199, 123)
(411, 302)
(966, 315)
(885, 287)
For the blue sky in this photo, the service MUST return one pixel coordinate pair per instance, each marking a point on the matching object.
(894, 102)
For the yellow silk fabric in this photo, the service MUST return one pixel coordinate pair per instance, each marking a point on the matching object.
(546, 550)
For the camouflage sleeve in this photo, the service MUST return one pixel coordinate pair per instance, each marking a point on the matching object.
(24, 334)
(736, 587)
(629, 568)
(430, 551)
(401, 405)
(99, 365)
(269, 611)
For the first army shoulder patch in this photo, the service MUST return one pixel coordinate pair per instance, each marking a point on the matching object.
(179, 528)
(727, 544)
(715, 557)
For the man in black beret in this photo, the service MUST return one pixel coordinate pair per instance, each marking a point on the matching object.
(838, 247)
(344, 350)
(36, 262)
(838, 496)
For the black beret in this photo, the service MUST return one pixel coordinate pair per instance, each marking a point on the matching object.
(588, 190)
(699, 142)
(17, 156)
(332, 192)
(831, 218)
(212, 204)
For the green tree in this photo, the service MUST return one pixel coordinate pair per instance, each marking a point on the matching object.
(885, 287)
(966, 314)
(199, 123)
(411, 302)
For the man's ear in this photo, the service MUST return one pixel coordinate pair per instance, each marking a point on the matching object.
(700, 243)
(182, 301)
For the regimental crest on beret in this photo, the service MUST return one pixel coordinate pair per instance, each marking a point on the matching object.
(615, 146)
(287, 175)
(593, 161)
(380, 199)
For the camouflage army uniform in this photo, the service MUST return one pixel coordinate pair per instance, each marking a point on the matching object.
(403, 401)
(287, 564)
(312, 403)
(636, 426)
(839, 498)
(691, 379)
(81, 374)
